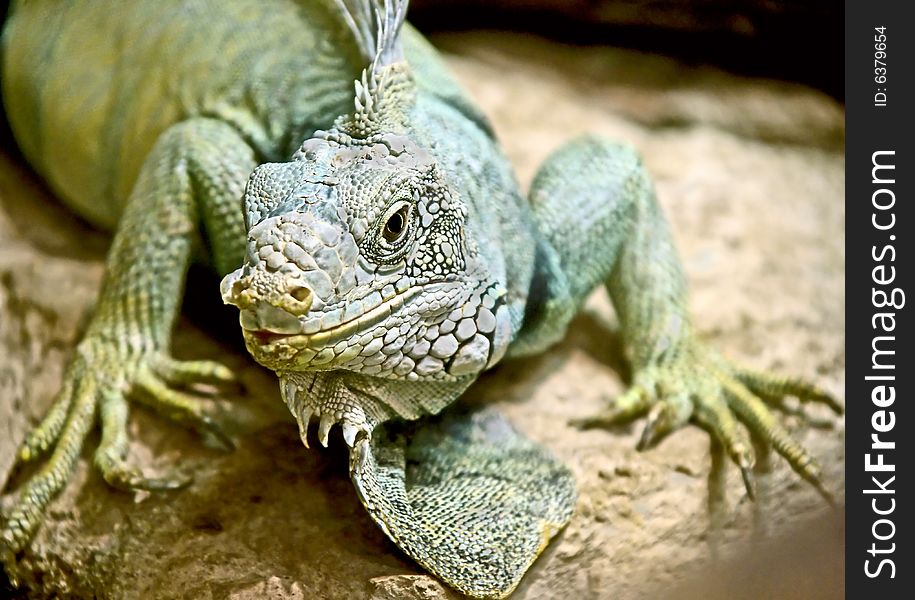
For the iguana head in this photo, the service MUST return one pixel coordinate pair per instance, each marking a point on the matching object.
(360, 279)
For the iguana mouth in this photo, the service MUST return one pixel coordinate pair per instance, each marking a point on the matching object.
(332, 335)
(264, 337)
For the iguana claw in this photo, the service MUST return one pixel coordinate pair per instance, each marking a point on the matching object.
(349, 434)
(327, 421)
(303, 419)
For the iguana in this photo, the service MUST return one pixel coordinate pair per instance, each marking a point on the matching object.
(369, 229)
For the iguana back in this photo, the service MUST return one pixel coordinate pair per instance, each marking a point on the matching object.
(89, 86)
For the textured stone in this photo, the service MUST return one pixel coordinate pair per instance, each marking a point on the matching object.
(750, 173)
(408, 587)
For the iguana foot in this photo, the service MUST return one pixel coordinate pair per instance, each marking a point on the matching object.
(352, 418)
(99, 378)
(713, 392)
(307, 397)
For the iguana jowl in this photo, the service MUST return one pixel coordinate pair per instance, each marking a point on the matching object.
(383, 268)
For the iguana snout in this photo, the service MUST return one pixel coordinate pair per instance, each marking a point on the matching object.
(298, 284)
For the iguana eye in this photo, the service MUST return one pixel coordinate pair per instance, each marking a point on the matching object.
(396, 225)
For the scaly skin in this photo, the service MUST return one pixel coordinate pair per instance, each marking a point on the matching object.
(383, 268)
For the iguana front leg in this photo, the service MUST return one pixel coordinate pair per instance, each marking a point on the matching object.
(596, 207)
(195, 173)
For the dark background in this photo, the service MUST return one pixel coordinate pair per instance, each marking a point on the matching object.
(794, 40)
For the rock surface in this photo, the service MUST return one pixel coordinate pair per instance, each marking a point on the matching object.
(751, 175)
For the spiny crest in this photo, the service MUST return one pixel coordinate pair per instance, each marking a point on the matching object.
(376, 27)
(385, 91)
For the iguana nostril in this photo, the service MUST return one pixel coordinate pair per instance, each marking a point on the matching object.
(301, 294)
(241, 299)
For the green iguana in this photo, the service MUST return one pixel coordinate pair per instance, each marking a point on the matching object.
(378, 248)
